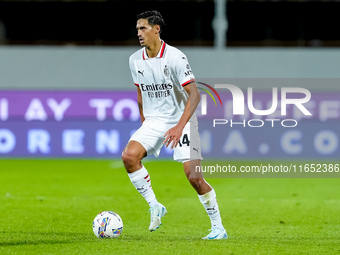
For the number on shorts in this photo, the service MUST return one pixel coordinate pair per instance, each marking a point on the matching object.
(185, 140)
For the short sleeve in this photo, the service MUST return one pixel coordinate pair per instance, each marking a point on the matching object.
(133, 72)
(183, 70)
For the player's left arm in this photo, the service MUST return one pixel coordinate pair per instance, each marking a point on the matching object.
(174, 134)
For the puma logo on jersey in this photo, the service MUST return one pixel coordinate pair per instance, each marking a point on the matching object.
(141, 72)
(195, 149)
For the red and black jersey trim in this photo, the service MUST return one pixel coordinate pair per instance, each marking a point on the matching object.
(162, 50)
(161, 53)
(137, 84)
(188, 82)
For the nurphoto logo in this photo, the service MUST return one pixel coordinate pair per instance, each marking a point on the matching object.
(301, 97)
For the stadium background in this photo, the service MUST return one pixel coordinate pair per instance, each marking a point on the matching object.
(73, 55)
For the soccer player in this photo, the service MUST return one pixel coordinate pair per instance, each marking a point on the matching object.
(167, 97)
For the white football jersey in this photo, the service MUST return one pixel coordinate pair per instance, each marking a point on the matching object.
(161, 81)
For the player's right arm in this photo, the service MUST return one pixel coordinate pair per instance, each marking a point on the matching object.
(140, 104)
(136, 82)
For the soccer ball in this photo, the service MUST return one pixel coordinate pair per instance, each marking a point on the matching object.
(107, 224)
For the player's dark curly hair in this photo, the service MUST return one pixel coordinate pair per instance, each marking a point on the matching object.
(153, 17)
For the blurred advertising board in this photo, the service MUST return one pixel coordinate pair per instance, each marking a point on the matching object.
(98, 124)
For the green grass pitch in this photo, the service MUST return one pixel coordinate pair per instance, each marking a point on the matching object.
(47, 207)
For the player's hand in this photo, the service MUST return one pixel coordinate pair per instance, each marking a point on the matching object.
(172, 136)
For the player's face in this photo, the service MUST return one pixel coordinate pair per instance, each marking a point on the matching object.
(146, 33)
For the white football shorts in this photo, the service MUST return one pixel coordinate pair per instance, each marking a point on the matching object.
(152, 139)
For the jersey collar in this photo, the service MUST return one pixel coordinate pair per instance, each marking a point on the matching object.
(160, 53)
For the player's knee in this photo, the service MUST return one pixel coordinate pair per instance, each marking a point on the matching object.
(129, 159)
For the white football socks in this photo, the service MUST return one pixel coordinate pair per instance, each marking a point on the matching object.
(209, 202)
(142, 182)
